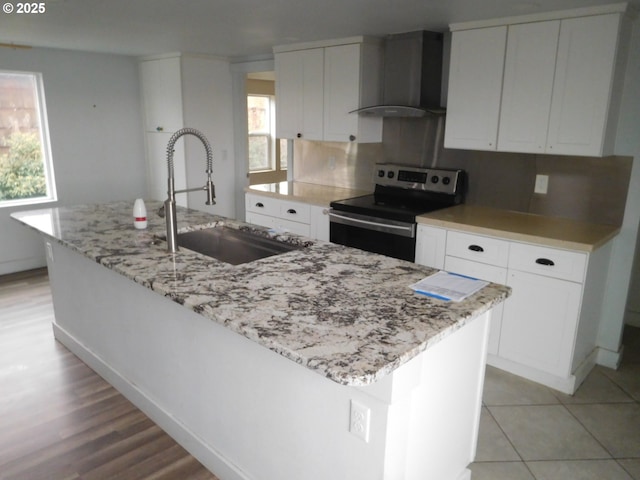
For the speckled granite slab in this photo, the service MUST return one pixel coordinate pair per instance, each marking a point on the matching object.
(347, 314)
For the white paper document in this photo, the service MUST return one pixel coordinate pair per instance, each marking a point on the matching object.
(448, 286)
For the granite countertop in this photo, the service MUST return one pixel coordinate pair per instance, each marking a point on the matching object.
(549, 231)
(320, 195)
(348, 315)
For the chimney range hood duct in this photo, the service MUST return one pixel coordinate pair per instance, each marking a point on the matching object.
(412, 79)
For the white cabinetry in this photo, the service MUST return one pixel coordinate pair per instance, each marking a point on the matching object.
(180, 91)
(162, 101)
(546, 331)
(583, 87)
(528, 81)
(299, 94)
(475, 86)
(536, 86)
(480, 257)
(318, 84)
(289, 216)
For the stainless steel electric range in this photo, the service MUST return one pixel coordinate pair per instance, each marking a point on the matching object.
(385, 222)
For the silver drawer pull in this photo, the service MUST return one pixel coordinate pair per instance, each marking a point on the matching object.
(260, 205)
(476, 248)
(545, 261)
(291, 211)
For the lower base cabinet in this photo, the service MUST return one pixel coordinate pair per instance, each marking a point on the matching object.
(486, 272)
(289, 216)
(540, 322)
(547, 330)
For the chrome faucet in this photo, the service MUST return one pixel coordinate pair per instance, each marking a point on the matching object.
(170, 203)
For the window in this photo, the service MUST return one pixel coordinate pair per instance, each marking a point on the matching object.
(26, 172)
(267, 155)
(261, 145)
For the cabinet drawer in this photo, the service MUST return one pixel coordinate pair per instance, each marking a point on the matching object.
(295, 212)
(546, 261)
(478, 248)
(258, 219)
(262, 205)
(303, 229)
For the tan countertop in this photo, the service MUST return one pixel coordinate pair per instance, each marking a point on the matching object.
(320, 195)
(549, 231)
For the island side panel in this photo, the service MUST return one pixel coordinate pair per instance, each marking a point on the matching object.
(244, 411)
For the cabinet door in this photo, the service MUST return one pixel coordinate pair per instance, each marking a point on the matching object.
(320, 223)
(475, 87)
(342, 92)
(539, 322)
(288, 94)
(583, 85)
(158, 170)
(299, 94)
(431, 243)
(162, 94)
(485, 272)
(528, 82)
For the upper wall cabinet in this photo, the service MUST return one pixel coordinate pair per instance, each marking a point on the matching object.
(162, 94)
(318, 84)
(536, 84)
(299, 94)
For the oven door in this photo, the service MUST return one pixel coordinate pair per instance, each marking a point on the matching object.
(378, 235)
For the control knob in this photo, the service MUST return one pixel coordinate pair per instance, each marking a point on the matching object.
(435, 178)
(381, 173)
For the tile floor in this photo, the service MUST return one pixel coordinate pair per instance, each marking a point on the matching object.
(531, 432)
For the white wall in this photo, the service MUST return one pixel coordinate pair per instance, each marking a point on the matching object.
(95, 125)
(627, 143)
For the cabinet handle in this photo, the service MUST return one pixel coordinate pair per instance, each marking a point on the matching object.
(545, 261)
(325, 211)
(260, 205)
(476, 248)
(291, 211)
(159, 129)
(352, 138)
(299, 135)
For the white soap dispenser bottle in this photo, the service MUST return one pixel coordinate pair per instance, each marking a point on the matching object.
(139, 214)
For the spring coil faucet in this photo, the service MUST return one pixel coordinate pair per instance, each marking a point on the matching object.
(169, 207)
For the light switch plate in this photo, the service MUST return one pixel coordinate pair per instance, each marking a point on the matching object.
(542, 184)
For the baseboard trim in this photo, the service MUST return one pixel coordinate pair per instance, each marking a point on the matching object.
(610, 359)
(563, 384)
(204, 453)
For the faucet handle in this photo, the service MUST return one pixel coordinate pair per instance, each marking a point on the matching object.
(161, 212)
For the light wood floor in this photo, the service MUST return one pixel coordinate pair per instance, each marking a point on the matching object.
(58, 419)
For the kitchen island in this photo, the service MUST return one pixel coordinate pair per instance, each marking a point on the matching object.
(317, 363)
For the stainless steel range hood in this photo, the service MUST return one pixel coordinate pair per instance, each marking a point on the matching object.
(412, 80)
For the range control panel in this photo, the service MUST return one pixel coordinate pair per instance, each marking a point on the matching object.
(438, 180)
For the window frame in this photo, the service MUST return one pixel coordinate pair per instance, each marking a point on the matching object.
(45, 145)
(272, 144)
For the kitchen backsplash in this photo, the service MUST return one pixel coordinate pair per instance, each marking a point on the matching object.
(581, 188)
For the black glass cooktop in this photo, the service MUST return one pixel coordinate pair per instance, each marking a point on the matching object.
(403, 208)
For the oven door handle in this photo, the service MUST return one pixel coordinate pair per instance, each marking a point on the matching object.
(407, 231)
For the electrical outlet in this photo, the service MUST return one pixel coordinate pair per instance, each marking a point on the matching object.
(332, 163)
(542, 184)
(360, 420)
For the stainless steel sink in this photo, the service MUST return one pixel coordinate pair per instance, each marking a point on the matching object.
(232, 246)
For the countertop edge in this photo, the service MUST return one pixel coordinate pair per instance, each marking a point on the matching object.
(310, 199)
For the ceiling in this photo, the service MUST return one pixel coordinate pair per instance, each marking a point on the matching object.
(241, 29)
